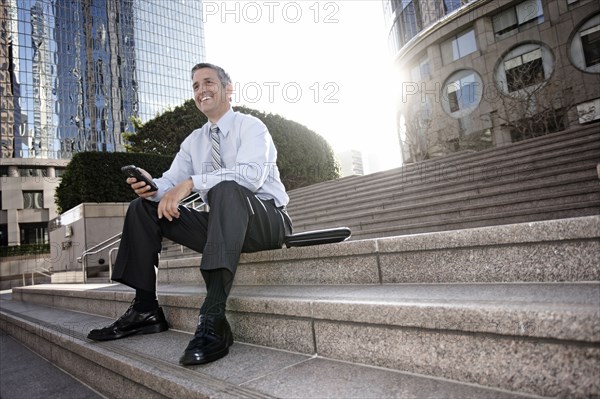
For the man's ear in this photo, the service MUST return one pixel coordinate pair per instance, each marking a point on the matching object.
(229, 91)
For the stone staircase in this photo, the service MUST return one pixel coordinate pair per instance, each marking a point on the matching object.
(500, 311)
(472, 276)
(74, 276)
(544, 178)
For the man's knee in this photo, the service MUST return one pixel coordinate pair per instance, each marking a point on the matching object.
(226, 188)
(227, 185)
(140, 207)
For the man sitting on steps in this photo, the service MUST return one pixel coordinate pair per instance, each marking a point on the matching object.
(231, 163)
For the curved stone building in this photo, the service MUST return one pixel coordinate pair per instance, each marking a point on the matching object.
(481, 73)
(72, 75)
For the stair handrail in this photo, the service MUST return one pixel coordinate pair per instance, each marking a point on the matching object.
(112, 241)
(191, 200)
(47, 272)
(89, 250)
(116, 239)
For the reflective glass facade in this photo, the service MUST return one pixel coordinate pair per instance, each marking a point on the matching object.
(73, 72)
(406, 18)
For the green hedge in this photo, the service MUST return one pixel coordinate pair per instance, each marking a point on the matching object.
(25, 249)
(97, 177)
(303, 156)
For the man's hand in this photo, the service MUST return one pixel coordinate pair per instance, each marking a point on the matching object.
(168, 206)
(141, 188)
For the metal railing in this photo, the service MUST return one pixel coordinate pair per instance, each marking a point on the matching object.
(42, 271)
(193, 201)
(96, 249)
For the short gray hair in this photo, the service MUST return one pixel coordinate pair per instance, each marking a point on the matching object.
(223, 76)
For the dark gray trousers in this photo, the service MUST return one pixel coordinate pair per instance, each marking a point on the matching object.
(238, 222)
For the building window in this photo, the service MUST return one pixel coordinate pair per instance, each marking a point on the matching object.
(524, 70)
(584, 49)
(519, 17)
(411, 23)
(462, 93)
(590, 40)
(451, 5)
(421, 70)
(459, 46)
(34, 233)
(525, 67)
(3, 235)
(408, 23)
(33, 172)
(33, 199)
(589, 111)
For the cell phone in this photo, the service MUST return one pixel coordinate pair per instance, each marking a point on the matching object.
(133, 171)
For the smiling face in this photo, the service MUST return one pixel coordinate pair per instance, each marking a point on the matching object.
(211, 98)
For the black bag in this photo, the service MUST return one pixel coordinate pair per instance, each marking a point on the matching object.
(317, 237)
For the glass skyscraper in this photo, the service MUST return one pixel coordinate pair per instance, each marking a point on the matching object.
(73, 72)
(72, 75)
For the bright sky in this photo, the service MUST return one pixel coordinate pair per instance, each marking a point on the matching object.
(323, 64)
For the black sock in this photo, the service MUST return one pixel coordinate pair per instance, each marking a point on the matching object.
(145, 301)
(218, 285)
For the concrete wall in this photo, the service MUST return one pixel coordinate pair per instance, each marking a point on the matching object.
(12, 269)
(82, 228)
(70, 234)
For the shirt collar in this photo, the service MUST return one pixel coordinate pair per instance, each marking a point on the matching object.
(225, 122)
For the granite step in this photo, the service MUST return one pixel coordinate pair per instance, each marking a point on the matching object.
(565, 199)
(579, 187)
(485, 164)
(516, 306)
(146, 366)
(365, 190)
(542, 251)
(574, 210)
(526, 149)
(535, 338)
(403, 212)
(98, 280)
(67, 277)
(547, 194)
(508, 180)
(400, 224)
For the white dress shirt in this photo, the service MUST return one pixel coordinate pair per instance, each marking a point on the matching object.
(248, 158)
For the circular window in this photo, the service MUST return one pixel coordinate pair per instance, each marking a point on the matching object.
(524, 68)
(584, 49)
(461, 93)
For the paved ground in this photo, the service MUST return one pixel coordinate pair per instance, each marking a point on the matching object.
(25, 375)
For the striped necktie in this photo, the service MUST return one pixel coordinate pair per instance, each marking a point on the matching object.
(216, 149)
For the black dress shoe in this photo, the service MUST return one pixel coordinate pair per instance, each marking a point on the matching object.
(211, 341)
(132, 322)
